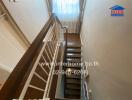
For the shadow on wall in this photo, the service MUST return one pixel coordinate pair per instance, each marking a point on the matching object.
(3, 76)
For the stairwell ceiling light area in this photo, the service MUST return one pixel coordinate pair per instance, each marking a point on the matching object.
(66, 9)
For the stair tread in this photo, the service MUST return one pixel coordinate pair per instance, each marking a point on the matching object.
(73, 67)
(72, 92)
(73, 50)
(73, 46)
(74, 60)
(73, 71)
(73, 55)
(72, 81)
(73, 86)
(72, 76)
(72, 97)
(65, 99)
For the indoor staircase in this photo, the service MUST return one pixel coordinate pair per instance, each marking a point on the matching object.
(33, 76)
(72, 82)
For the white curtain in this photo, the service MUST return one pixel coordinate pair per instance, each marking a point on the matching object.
(68, 12)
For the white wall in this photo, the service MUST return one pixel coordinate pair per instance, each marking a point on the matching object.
(30, 15)
(108, 39)
(3, 76)
(11, 46)
(11, 49)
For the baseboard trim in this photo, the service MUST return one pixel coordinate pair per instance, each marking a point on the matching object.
(6, 68)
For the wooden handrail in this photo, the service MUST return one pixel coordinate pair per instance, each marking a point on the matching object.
(57, 19)
(15, 83)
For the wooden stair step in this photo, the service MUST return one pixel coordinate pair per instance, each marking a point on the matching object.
(72, 76)
(76, 60)
(72, 97)
(73, 86)
(74, 46)
(72, 81)
(73, 55)
(74, 67)
(65, 99)
(73, 50)
(73, 71)
(72, 92)
(72, 34)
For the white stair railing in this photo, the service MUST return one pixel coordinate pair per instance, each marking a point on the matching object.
(85, 94)
(54, 36)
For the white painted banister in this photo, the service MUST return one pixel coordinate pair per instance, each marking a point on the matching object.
(84, 84)
(54, 35)
(3, 15)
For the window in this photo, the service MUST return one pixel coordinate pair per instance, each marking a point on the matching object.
(66, 9)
